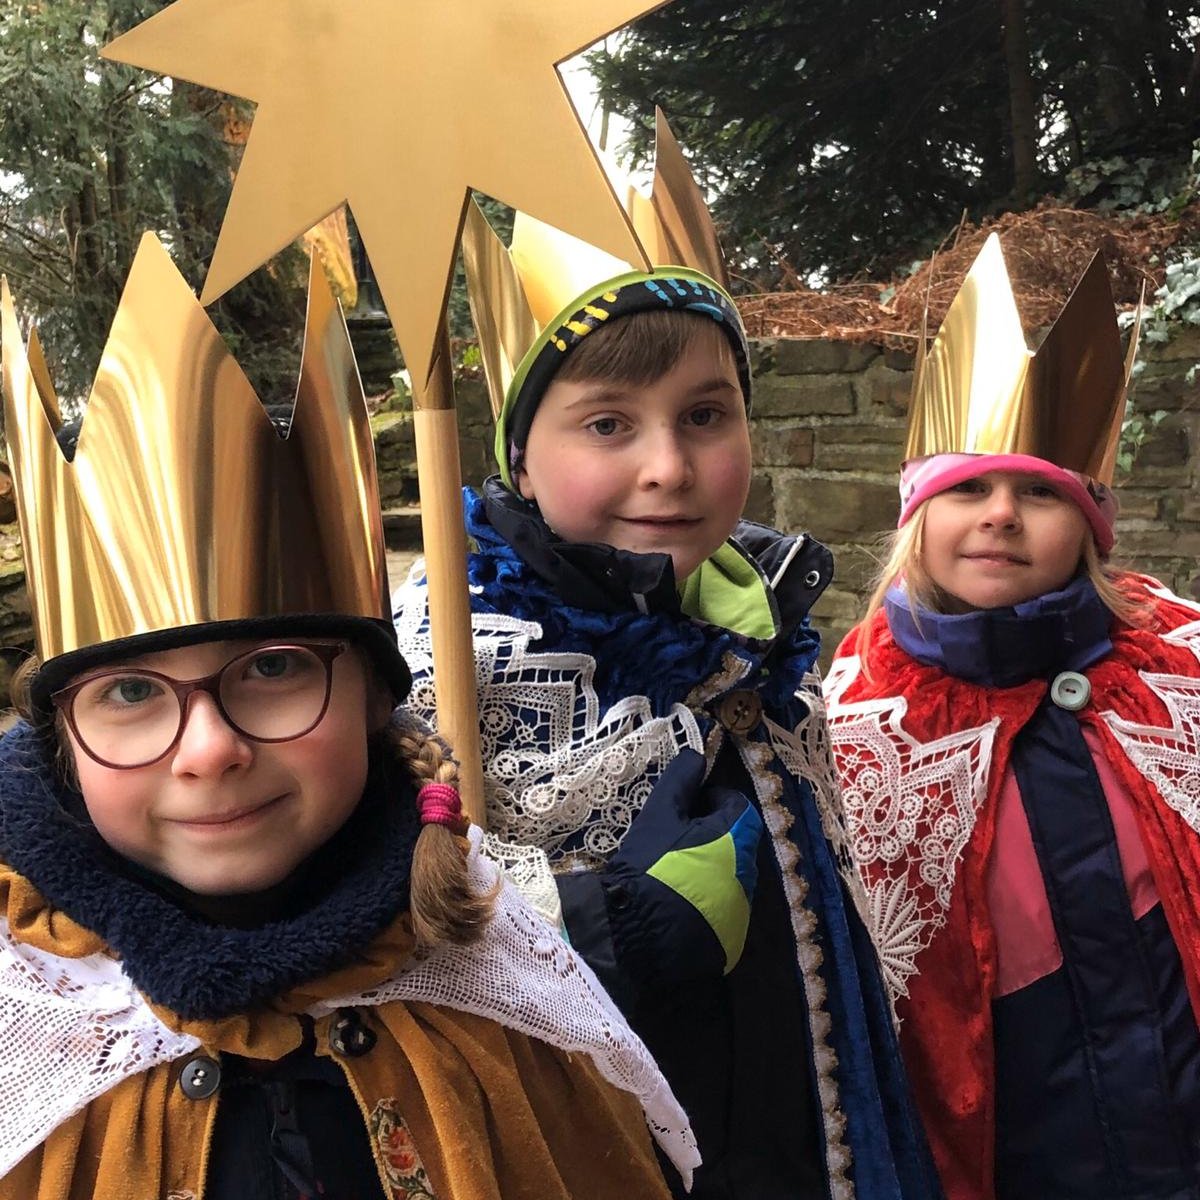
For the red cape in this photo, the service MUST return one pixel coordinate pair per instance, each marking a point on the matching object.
(921, 756)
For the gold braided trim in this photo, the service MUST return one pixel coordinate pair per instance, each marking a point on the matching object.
(712, 747)
(733, 670)
(769, 787)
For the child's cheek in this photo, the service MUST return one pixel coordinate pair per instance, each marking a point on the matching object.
(733, 465)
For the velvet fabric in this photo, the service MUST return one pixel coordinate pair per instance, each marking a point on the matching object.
(490, 1114)
(473, 1110)
(946, 1031)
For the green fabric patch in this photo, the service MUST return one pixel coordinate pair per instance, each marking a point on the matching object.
(720, 899)
(727, 589)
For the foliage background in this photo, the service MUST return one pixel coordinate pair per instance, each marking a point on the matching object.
(843, 137)
(92, 154)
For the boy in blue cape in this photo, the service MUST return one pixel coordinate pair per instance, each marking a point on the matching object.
(657, 769)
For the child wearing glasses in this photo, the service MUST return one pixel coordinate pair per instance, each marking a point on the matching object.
(246, 949)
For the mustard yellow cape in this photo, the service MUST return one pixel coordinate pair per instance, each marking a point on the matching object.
(456, 1106)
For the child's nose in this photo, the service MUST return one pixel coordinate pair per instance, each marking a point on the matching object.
(1001, 509)
(208, 746)
(667, 463)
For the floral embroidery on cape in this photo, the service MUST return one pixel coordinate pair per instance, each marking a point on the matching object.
(397, 1154)
(910, 810)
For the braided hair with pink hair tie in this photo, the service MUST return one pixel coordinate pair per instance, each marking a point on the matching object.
(440, 804)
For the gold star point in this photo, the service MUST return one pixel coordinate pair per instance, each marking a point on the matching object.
(397, 107)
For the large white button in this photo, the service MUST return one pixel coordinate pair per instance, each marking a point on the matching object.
(1071, 691)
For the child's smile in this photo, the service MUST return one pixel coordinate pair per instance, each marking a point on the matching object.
(232, 820)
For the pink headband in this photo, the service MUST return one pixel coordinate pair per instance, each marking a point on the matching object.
(921, 478)
(439, 804)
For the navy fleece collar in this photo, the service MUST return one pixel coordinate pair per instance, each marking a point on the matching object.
(359, 883)
(1004, 647)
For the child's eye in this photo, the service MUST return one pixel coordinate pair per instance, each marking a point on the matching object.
(282, 665)
(705, 415)
(968, 487)
(1042, 491)
(270, 666)
(604, 426)
(127, 691)
(135, 690)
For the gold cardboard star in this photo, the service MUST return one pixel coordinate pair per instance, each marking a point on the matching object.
(397, 107)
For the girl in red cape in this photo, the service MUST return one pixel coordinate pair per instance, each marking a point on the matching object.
(1015, 724)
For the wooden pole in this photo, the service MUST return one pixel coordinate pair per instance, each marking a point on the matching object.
(439, 476)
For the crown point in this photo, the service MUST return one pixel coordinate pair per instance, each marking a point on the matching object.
(518, 293)
(181, 505)
(980, 390)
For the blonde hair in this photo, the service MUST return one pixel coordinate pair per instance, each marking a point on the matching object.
(442, 904)
(903, 566)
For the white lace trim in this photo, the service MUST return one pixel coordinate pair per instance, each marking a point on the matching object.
(523, 976)
(70, 1030)
(557, 768)
(73, 1028)
(806, 752)
(899, 794)
(1169, 757)
(529, 869)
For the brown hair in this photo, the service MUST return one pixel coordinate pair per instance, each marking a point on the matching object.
(902, 564)
(640, 348)
(52, 724)
(442, 904)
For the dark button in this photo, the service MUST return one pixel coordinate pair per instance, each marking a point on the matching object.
(812, 579)
(740, 712)
(620, 896)
(350, 1037)
(200, 1077)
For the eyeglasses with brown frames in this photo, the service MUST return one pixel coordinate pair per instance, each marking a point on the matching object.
(127, 717)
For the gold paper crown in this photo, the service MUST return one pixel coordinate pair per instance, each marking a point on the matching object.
(182, 504)
(980, 390)
(515, 293)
